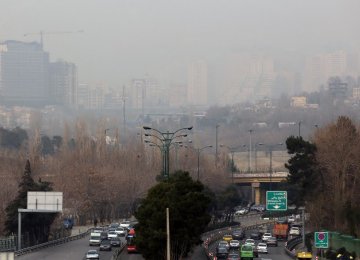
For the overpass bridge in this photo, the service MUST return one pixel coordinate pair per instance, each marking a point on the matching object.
(259, 182)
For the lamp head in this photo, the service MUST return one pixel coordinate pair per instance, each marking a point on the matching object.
(147, 127)
(190, 128)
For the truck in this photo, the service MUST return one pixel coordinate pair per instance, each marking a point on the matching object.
(280, 230)
(95, 239)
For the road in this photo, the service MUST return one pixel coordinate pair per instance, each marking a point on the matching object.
(73, 250)
(274, 253)
(198, 253)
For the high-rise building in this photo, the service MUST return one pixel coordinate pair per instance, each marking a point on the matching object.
(197, 88)
(24, 74)
(247, 78)
(63, 83)
(319, 68)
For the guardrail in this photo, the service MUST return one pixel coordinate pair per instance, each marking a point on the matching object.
(52, 243)
(290, 245)
(118, 251)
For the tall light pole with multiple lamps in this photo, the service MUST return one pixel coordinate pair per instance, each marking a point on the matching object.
(164, 141)
(198, 158)
(271, 148)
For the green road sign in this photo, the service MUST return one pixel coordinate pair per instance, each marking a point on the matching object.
(321, 239)
(276, 200)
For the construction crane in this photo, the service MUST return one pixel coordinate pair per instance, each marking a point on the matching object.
(42, 33)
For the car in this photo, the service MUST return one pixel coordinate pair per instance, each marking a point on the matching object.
(222, 253)
(266, 236)
(255, 235)
(125, 224)
(114, 225)
(97, 230)
(115, 241)
(121, 231)
(92, 254)
(105, 245)
(291, 219)
(250, 241)
(258, 208)
(103, 235)
(223, 244)
(234, 243)
(227, 237)
(233, 256)
(294, 231)
(272, 241)
(240, 212)
(112, 234)
(263, 229)
(261, 248)
(238, 234)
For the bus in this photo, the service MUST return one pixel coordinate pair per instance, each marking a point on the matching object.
(130, 242)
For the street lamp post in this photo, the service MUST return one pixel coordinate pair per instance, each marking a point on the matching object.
(232, 151)
(250, 146)
(166, 139)
(270, 147)
(216, 145)
(198, 159)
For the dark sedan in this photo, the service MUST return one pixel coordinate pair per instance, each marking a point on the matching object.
(222, 253)
(255, 235)
(238, 234)
(115, 241)
(105, 245)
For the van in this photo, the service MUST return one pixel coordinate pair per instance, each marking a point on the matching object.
(95, 239)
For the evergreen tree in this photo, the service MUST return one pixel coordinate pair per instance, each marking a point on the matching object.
(35, 225)
(188, 206)
(303, 169)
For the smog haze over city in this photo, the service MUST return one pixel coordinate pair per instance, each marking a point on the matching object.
(127, 39)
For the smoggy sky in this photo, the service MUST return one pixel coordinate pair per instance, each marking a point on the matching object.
(125, 39)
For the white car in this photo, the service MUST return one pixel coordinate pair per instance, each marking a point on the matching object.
(112, 234)
(241, 212)
(291, 219)
(121, 231)
(125, 224)
(266, 236)
(92, 254)
(234, 244)
(262, 248)
(250, 242)
(294, 231)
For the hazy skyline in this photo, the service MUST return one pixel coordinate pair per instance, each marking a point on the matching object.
(125, 39)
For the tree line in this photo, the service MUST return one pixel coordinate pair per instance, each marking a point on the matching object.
(325, 176)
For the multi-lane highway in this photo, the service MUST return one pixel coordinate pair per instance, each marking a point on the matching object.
(78, 248)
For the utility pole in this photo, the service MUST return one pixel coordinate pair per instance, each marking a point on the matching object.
(250, 145)
(167, 234)
(216, 145)
(299, 128)
(124, 111)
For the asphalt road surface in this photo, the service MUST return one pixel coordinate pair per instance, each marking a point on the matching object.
(74, 250)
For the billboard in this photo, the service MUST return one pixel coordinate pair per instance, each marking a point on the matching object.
(45, 200)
